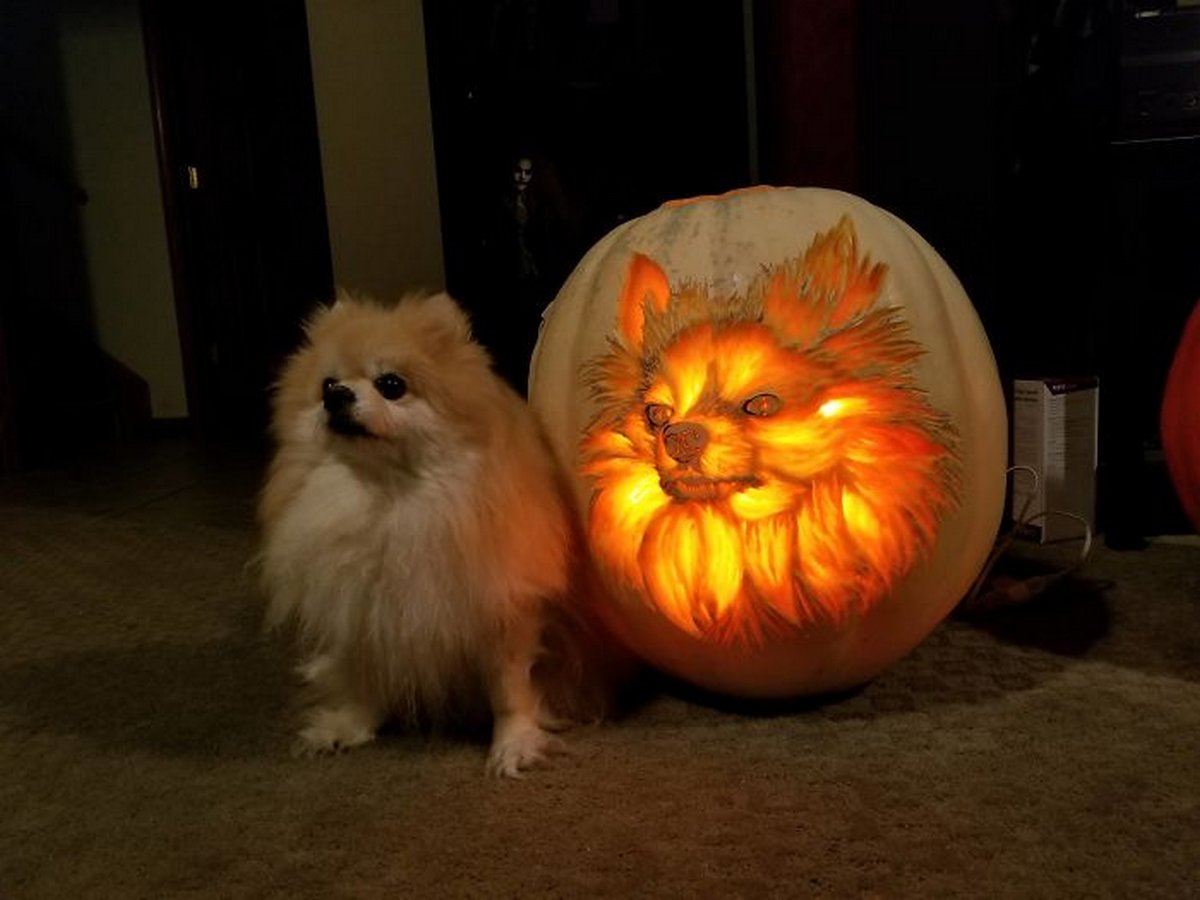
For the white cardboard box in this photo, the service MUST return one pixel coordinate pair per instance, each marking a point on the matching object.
(1055, 427)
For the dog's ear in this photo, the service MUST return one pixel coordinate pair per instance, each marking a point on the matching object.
(318, 315)
(341, 302)
(447, 323)
(646, 289)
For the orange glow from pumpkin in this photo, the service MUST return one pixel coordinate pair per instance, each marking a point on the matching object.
(776, 465)
(831, 408)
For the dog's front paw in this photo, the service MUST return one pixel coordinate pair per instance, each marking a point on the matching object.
(333, 730)
(519, 744)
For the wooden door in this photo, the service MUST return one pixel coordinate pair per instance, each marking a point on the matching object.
(239, 160)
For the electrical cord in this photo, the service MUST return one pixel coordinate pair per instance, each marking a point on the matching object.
(1006, 591)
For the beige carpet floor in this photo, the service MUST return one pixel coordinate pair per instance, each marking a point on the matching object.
(1051, 750)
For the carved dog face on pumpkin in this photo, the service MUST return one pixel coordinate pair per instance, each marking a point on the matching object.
(764, 459)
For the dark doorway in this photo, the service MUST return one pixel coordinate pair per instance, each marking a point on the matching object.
(555, 121)
(240, 164)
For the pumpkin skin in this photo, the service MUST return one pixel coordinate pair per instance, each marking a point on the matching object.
(1179, 419)
(798, 394)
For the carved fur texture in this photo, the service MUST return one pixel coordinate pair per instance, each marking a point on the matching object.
(765, 459)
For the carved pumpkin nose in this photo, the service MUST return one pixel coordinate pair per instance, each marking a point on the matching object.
(685, 441)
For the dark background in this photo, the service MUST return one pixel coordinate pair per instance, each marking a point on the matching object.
(1049, 149)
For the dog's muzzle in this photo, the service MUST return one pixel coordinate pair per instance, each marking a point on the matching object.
(339, 404)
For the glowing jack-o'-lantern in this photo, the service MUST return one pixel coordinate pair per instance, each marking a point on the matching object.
(787, 432)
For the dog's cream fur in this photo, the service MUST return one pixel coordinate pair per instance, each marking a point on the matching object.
(420, 557)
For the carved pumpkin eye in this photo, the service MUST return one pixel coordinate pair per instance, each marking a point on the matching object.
(762, 405)
(658, 415)
(391, 386)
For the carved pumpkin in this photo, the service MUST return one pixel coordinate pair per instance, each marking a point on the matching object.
(787, 434)
(1180, 419)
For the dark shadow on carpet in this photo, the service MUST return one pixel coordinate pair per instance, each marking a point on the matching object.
(211, 699)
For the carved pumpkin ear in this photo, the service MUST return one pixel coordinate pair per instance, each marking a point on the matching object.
(645, 287)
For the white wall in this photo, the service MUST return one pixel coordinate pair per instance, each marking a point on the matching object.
(372, 92)
(108, 107)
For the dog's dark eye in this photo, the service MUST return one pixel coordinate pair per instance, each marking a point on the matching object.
(762, 405)
(328, 384)
(391, 386)
(658, 415)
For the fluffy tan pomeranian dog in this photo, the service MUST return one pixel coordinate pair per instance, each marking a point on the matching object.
(415, 530)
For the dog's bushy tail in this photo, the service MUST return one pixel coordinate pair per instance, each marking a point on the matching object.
(584, 671)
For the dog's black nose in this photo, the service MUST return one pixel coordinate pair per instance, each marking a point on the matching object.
(685, 441)
(336, 397)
